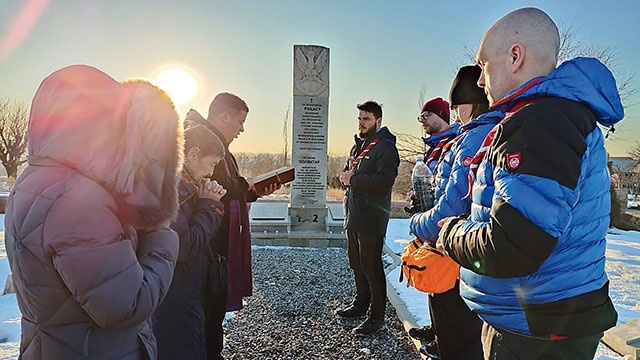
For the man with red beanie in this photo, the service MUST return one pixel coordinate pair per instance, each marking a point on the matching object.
(434, 117)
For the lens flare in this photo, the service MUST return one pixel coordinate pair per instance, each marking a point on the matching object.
(21, 26)
(179, 83)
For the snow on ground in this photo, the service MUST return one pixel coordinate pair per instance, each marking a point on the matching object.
(623, 268)
(9, 312)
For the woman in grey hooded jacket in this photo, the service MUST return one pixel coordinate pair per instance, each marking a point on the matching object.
(87, 223)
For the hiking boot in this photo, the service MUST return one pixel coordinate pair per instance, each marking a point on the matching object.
(424, 334)
(368, 326)
(351, 311)
(430, 350)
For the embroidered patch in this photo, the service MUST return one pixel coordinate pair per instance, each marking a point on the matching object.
(513, 161)
(467, 161)
(367, 157)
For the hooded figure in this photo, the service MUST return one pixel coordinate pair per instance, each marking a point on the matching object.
(87, 224)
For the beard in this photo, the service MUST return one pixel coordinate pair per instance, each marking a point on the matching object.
(366, 132)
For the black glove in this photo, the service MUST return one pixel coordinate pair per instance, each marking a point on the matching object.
(414, 206)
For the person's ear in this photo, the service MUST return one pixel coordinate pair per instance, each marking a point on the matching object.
(517, 53)
(192, 154)
(226, 117)
(378, 123)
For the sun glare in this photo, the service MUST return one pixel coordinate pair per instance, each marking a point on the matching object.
(180, 84)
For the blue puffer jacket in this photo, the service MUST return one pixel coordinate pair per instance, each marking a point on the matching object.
(451, 179)
(533, 250)
(435, 147)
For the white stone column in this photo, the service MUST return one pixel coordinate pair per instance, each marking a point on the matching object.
(310, 128)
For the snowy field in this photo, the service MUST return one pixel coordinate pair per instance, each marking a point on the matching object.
(623, 267)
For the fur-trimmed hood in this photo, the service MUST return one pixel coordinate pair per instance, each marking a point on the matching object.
(125, 136)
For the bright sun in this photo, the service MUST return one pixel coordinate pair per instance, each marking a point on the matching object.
(181, 86)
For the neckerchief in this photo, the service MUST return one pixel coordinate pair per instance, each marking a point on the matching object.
(486, 143)
(364, 152)
(437, 151)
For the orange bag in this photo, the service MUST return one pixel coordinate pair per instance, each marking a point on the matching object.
(427, 269)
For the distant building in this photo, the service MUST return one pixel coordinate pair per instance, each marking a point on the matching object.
(628, 171)
(623, 163)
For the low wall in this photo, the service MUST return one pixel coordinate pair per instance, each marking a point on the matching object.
(632, 219)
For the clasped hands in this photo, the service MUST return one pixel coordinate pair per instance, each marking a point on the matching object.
(210, 189)
(345, 177)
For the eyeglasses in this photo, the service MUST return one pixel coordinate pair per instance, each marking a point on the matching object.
(424, 116)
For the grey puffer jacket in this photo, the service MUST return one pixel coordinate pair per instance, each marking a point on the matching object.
(87, 232)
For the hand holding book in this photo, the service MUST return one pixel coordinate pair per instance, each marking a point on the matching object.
(267, 183)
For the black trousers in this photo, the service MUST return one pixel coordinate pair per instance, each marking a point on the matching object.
(457, 328)
(499, 344)
(215, 310)
(365, 259)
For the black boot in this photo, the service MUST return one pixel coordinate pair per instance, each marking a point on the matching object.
(369, 326)
(430, 350)
(424, 334)
(352, 311)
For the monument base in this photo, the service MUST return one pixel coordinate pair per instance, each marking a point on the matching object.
(275, 224)
(299, 239)
(308, 219)
(624, 339)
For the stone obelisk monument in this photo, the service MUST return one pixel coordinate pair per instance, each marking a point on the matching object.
(308, 205)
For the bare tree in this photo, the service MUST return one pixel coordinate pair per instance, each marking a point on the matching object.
(571, 47)
(335, 165)
(285, 136)
(422, 96)
(14, 120)
(409, 147)
(251, 164)
(634, 153)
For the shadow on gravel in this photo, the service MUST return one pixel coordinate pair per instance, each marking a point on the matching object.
(291, 313)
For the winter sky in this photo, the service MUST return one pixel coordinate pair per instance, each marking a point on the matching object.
(382, 50)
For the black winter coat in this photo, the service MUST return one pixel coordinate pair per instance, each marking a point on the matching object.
(178, 323)
(367, 202)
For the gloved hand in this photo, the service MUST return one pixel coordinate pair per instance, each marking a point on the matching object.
(414, 206)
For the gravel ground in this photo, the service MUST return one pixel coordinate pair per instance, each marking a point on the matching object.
(290, 315)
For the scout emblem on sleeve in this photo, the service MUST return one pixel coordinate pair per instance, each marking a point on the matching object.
(513, 161)
(467, 161)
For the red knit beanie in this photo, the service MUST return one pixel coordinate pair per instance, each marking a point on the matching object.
(438, 106)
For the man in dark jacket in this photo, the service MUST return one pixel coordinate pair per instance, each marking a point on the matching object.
(533, 249)
(227, 115)
(369, 177)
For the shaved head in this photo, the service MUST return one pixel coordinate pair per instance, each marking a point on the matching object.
(530, 27)
(522, 45)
